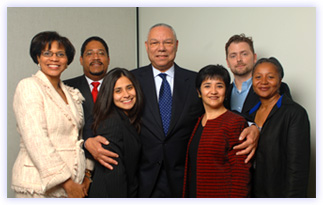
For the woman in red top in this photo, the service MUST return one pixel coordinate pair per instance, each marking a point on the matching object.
(212, 167)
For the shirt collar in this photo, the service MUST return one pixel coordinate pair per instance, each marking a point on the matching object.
(278, 104)
(89, 81)
(169, 72)
(245, 85)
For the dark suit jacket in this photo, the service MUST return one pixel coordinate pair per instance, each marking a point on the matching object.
(252, 99)
(158, 149)
(124, 140)
(283, 153)
(81, 83)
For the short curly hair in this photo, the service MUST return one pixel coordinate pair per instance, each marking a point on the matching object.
(40, 41)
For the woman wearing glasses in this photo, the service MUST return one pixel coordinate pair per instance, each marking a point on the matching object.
(49, 116)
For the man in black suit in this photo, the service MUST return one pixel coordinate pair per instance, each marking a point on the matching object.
(95, 61)
(161, 169)
(241, 57)
(163, 154)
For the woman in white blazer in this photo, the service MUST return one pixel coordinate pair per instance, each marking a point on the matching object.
(49, 114)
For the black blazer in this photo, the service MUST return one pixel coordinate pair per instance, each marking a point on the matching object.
(124, 140)
(252, 99)
(170, 150)
(283, 153)
(81, 83)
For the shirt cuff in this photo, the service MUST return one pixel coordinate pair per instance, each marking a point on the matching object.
(251, 123)
(90, 164)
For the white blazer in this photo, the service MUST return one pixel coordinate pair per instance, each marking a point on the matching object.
(51, 139)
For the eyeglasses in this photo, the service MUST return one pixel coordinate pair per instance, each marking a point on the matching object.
(60, 54)
(92, 53)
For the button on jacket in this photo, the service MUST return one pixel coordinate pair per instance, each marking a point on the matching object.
(51, 145)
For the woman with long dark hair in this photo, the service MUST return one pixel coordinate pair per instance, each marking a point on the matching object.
(116, 116)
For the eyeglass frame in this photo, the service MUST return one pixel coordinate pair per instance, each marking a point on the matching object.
(93, 52)
(59, 54)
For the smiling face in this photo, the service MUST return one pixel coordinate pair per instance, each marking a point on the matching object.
(95, 60)
(213, 93)
(241, 59)
(266, 81)
(53, 66)
(161, 47)
(124, 94)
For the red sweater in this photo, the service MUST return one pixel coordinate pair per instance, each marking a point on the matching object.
(220, 172)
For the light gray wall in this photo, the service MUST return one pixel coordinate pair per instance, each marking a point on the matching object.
(117, 26)
(286, 33)
(289, 34)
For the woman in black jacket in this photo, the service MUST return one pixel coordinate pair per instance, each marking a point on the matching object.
(116, 117)
(283, 154)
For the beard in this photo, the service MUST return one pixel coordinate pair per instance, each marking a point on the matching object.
(98, 73)
(242, 72)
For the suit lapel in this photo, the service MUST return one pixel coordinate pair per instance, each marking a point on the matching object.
(129, 129)
(75, 100)
(227, 100)
(251, 100)
(86, 92)
(283, 100)
(149, 88)
(180, 92)
(57, 99)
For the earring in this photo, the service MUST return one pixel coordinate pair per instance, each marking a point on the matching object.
(38, 65)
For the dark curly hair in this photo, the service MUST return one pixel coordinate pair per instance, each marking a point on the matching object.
(40, 41)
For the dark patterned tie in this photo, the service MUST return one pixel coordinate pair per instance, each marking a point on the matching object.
(95, 90)
(165, 102)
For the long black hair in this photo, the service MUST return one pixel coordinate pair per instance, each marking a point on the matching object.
(104, 103)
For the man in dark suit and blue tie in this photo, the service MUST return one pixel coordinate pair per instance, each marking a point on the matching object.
(163, 154)
(164, 142)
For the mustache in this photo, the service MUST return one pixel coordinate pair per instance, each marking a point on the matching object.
(240, 64)
(96, 61)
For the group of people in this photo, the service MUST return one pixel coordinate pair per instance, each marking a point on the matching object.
(158, 131)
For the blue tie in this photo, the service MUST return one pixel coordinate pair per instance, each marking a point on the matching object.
(165, 102)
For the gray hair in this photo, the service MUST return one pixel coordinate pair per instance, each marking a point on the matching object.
(164, 25)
